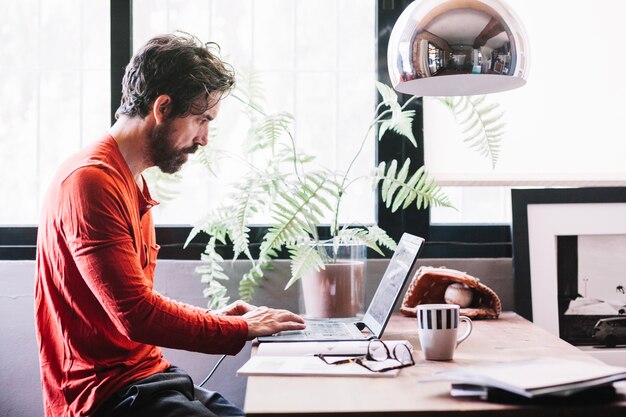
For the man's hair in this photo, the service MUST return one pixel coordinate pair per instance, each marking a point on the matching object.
(178, 65)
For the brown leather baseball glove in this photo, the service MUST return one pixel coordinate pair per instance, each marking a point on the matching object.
(429, 286)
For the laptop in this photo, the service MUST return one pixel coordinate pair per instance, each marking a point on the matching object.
(379, 311)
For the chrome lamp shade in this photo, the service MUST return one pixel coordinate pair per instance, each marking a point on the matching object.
(457, 48)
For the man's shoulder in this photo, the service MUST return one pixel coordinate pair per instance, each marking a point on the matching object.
(93, 189)
(92, 165)
(89, 174)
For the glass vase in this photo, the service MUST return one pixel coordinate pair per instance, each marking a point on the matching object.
(338, 290)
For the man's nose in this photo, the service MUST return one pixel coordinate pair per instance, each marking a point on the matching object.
(203, 137)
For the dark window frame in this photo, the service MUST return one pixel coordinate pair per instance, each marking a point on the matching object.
(442, 241)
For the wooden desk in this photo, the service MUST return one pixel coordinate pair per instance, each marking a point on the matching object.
(508, 338)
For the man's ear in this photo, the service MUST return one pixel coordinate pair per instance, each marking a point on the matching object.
(161, 108)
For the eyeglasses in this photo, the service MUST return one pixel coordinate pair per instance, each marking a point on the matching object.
(379, 357)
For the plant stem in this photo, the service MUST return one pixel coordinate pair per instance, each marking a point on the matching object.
(293, 151)
(355, 180)
(249, 104)
(376, 120)
(293, 141)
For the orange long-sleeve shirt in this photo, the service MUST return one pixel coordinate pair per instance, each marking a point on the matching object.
(98, 319)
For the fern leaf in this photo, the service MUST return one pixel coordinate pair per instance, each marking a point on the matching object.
(388, 95)
(399, 179)
(476, 100)
(250, 87)
(378, 174)
(427, 192)
(358, 236)
(267, 132)
(381, 237)
(250, 280)
(481, 124)
(248, 285)
(372, 237)
(216, 294)
(284, 153)
(315, 208)
(471, 126)
(295, 213)
(245, 202)
(416, 181)
(463, 104)
(354, 235)
(231, 219)
(194, 232)
(484, 111)
(401, 122)
(304, 259)
(391, 172)
(211, 272)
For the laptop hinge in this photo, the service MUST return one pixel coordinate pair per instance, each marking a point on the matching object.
(362, 326)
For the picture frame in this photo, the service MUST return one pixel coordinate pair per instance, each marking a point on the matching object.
(546, 223)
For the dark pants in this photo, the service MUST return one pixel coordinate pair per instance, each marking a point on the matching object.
(168, 394)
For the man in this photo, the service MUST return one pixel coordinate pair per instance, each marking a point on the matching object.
(98, 319)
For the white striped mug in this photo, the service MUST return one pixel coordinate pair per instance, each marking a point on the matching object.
(437, 328)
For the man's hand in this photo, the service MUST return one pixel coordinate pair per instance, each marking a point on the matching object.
(238, 308)
(265, 321)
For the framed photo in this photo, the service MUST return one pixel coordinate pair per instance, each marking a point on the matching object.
(569, 257)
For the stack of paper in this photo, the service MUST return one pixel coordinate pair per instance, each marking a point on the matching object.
(305, 365)
(348, 348)
(295, 358)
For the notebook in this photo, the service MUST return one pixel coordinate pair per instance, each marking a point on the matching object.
(379, 311)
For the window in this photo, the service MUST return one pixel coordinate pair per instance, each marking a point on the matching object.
(564, 128)
(54, 92)
(83, 69)
(316, 60)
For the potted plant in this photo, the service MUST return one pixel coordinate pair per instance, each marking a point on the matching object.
(297, 197)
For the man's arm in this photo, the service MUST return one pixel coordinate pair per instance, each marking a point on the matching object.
(96, 227)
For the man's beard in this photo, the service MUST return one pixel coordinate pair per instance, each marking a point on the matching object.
(163, 154)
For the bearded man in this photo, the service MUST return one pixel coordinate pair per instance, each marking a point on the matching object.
(99, 321)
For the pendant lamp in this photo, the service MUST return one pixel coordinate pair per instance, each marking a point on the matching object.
(457, 48)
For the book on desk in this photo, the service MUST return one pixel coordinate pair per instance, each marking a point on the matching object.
(535, 379)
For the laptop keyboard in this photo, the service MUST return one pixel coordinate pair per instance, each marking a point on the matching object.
(326, 329)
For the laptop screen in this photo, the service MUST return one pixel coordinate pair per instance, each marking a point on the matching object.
(392, 282)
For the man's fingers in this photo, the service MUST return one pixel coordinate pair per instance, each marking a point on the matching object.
(265, 321)
(292, 325)
(291, 317)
